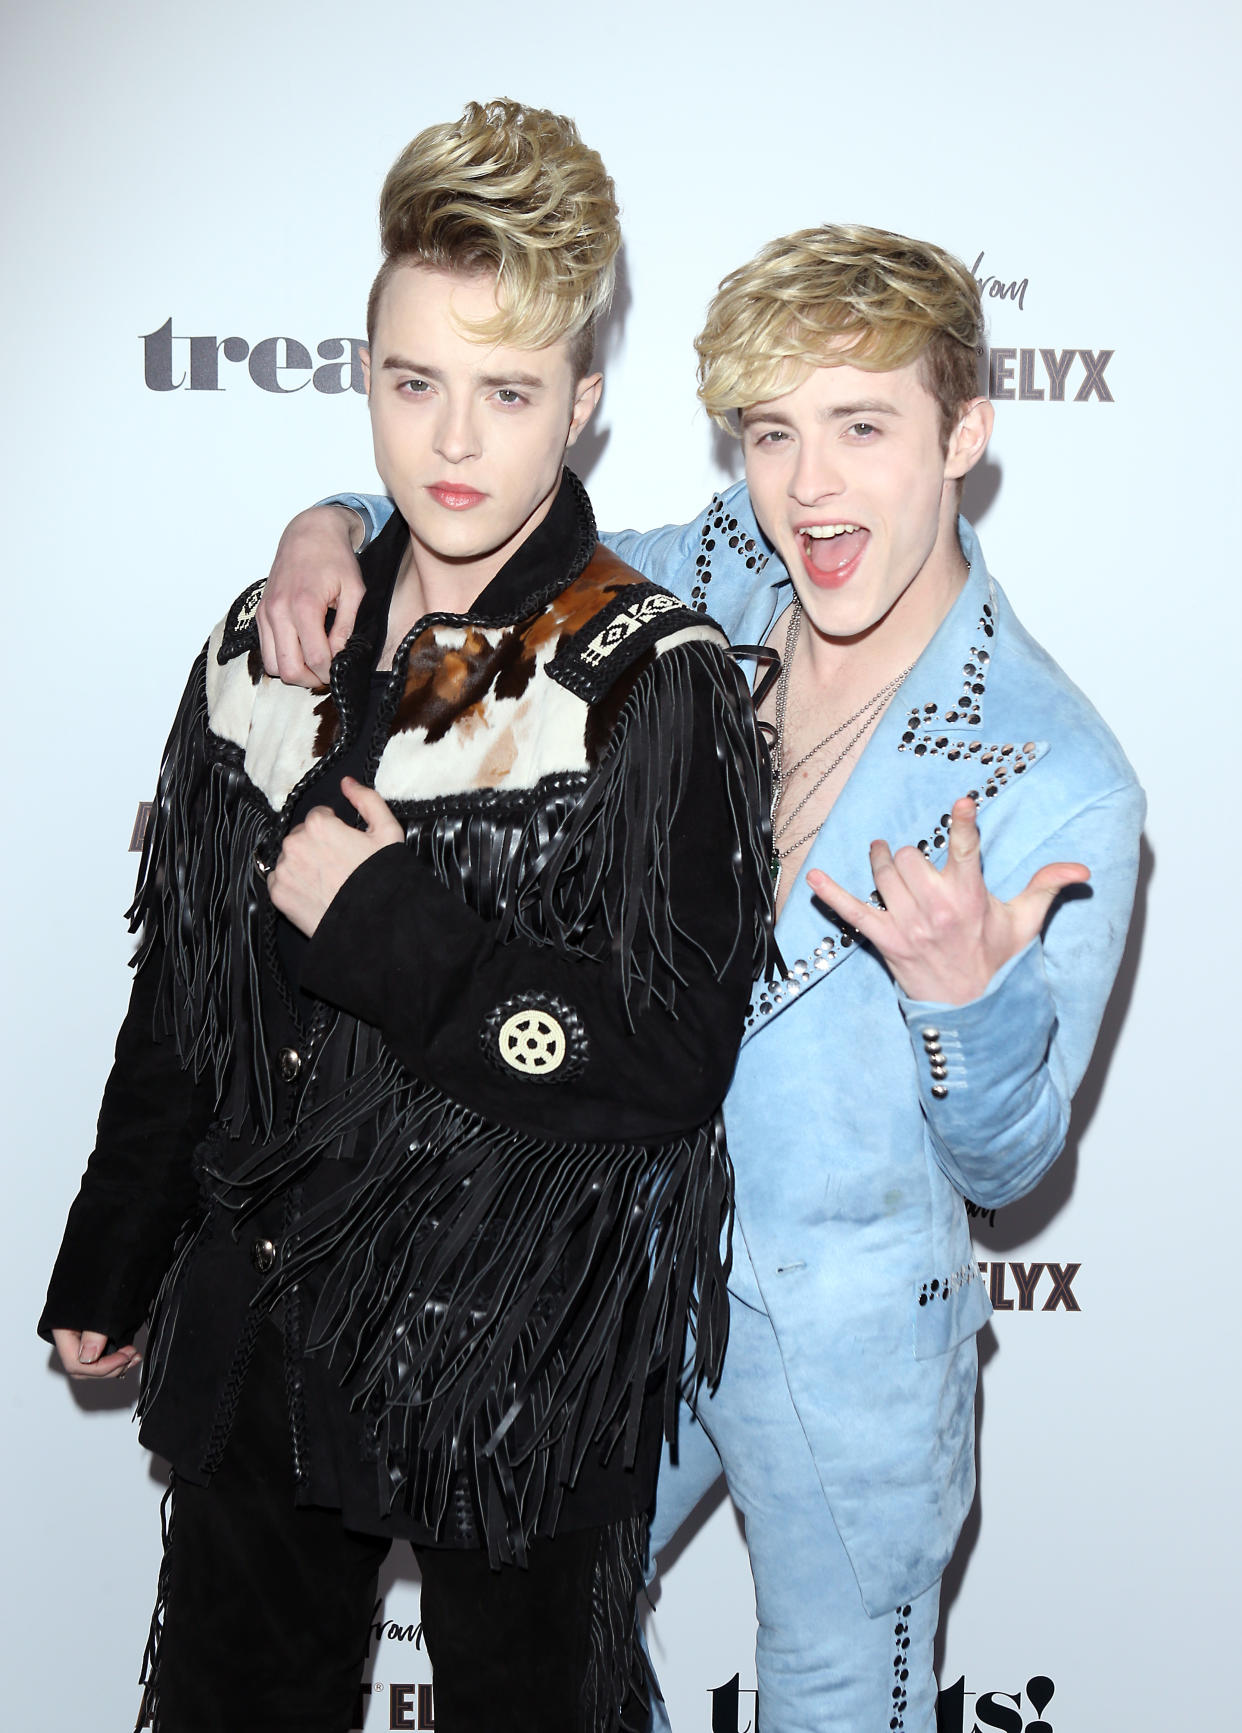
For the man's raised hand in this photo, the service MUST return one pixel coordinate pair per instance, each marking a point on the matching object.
(315, 569)
(943, 934)
(320, 853)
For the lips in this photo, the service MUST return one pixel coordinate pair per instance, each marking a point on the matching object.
(831, 552)
(454, 496)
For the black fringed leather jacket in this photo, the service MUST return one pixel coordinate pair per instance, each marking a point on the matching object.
(462, 1145)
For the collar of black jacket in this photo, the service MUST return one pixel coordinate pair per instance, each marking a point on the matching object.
(552, 556)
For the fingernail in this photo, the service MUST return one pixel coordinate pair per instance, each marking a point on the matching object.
(87, 1356)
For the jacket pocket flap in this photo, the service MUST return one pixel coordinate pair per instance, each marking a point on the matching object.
(947, 1309)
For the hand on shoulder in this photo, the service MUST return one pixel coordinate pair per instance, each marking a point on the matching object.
(315, 570)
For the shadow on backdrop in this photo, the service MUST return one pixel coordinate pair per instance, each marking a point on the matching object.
(1022, 1221)
(727, 453)
(1019, 1223)
(980, 489)
(593, 441)
(108, 1394)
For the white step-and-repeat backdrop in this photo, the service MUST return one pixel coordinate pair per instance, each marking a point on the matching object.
(190, 233)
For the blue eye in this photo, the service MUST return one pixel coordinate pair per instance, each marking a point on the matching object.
(508, 396)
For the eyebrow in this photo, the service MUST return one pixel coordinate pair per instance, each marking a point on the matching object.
(867, 406)
(531, 380)
(839, 412)
(400, 364)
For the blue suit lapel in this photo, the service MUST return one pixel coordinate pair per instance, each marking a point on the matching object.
(931, 747)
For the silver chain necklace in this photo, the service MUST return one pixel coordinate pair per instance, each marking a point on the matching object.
(866, 713)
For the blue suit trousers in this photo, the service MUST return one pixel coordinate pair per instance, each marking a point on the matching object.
(822, 1665)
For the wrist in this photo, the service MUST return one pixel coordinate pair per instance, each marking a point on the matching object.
(932, 989)
(933, 996)
(355, 527)
(324, 531)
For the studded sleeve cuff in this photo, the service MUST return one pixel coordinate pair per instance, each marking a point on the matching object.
(1007, 1064)
(997, 1113)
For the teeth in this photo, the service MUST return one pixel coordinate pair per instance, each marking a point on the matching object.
(825, 532)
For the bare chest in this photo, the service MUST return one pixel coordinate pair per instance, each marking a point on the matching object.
(820, 730)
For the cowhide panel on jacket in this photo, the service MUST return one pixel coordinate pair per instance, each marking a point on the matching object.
(482, 706)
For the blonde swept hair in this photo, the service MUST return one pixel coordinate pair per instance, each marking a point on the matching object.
(514, 193)
(841, 293)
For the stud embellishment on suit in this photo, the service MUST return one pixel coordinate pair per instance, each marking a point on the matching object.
(937, 1064)
(721, 530)
(994, 764)
(901, 1670)
(925, 721)
(773, 995)
(538, 1037)
(999, 763)
(940, 1288)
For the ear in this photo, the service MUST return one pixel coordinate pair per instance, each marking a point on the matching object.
(587, 394)
(969, 439)
(364, 355)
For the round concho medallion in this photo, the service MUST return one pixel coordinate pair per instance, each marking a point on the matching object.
(532, 1042)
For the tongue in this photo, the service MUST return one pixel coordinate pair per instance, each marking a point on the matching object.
(831, 553)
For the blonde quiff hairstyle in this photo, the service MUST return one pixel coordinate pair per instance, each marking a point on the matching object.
(511, 192)
(842, 293)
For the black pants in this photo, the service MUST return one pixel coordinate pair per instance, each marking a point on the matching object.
(268, 1608)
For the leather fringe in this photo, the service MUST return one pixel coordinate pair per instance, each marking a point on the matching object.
(199, 895)
(165, 1311)
(496, 1303)
(589, 875)
(620, 1681)
(607, 861)
(149, 1678)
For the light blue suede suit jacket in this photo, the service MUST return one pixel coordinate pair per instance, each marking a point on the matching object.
(853, 1156)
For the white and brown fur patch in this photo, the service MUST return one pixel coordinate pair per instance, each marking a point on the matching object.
(479, 709)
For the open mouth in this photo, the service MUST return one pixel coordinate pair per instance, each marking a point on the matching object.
(830, 552)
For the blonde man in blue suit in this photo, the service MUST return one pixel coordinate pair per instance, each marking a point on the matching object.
(943, 987)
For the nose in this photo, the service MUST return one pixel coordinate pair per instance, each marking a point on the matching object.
(817, 474)
(457, 434)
